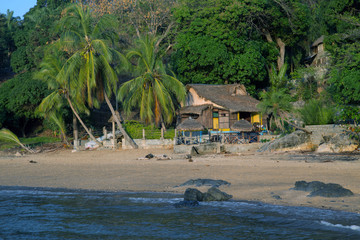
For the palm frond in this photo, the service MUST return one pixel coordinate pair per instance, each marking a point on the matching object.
(8, 136)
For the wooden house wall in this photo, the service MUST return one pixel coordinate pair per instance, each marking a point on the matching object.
(233, 118)
(224, 119)
(206, 118)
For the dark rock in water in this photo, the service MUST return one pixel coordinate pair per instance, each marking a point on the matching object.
(205, 182)
(192, 194)
(186, 203)
(150, 155)
(214, 194)
(292, 140)
(322, 189)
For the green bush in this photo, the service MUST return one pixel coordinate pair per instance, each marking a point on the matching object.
(135, 128)
(315, 112)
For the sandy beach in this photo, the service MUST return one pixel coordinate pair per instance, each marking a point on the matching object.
(253, 176)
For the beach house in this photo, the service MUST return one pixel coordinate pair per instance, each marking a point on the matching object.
(218, 107)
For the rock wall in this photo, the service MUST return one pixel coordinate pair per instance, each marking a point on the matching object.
(319, 131)
(150, 143)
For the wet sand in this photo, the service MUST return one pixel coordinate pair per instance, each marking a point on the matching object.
(253, 176)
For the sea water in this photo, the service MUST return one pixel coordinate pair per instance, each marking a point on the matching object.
(43, 213)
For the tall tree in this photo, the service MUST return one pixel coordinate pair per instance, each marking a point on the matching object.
(217, 43)
(88, 67)
(52, 106)
(152, 90)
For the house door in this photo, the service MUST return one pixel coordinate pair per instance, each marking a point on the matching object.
(215, 120)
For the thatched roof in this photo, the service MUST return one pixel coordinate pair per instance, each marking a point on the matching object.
(190, 125)
(242, 126)
(112, 117)
(318, 41)
(232, 97)
(194, 109)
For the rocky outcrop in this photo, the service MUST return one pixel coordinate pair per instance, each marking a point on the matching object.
(298, 140)
(321, 189)
(339, 143)
(214, 194)
(192, 194)
(204, 182)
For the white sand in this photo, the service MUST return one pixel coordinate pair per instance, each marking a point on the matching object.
(253, 176)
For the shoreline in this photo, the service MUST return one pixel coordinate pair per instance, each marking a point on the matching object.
(254, 177)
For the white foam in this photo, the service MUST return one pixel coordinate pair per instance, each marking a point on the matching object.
(155, 200)
(352, 227)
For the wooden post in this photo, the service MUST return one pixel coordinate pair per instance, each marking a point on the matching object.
(114, 137)
(76, 133)
(105, 133)
(143, 133)
(175, 137)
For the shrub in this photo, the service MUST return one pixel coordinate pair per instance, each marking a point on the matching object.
(134, 129)
(315, 112)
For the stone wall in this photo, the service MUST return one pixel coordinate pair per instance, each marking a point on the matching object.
(212, 148)
(150, 143)
(319, 131)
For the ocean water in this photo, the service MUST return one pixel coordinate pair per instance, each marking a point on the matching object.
(43, 213)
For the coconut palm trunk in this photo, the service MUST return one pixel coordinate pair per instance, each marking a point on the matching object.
(122, 130)
(81, 122)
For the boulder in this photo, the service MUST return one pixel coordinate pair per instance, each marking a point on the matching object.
(204, 182)
(192, 194)
(332, 190)
(214, 194)
(321, 189)
(298, 140)
(342, 142)
(309, 186)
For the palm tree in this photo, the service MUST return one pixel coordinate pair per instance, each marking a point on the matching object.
(152, 90)
(89, 65)
(277, 105)
(278, 79)
(52, 104)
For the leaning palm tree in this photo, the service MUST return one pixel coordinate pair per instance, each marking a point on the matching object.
(89, 66)
(152, 90)
(51, 105)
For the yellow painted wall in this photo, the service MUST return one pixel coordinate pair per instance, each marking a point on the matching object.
(256, 117)
(215, 123)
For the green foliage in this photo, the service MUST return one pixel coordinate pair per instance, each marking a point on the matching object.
(215, 44)
(349, 114)
(34, 141)
(305, 83)
(278, 79)
(88, 68)
(276, 104)
(19, 98)
(316, 112)
(153, 90)
(135, 131)
(36, 31)
(7, 136)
